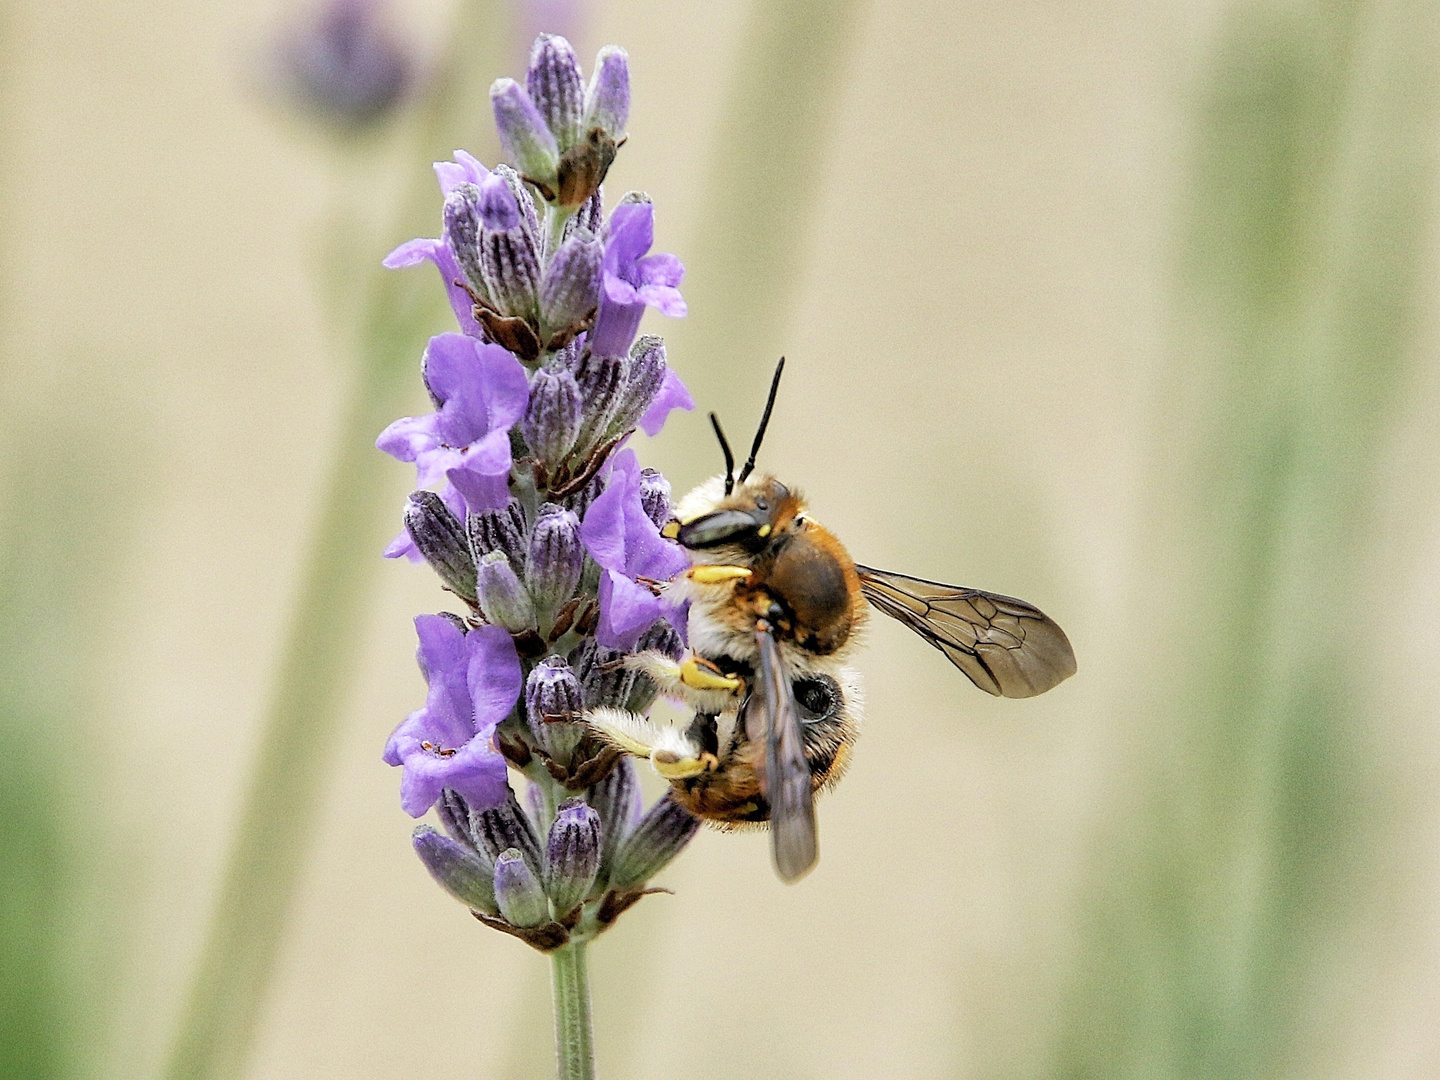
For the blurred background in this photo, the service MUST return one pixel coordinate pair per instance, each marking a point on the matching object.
(1127, 308)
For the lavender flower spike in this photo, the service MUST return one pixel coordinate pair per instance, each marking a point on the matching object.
(528, 142)
(474, 682)
(633, 279)
(346, 64)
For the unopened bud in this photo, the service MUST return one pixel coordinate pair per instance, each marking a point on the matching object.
(552, 419)
(502, 597)
(462, 232)
(607, 99)
(664, 830)
(556, 87)
(603, 679)
(454, 814)
(518, 892)
(572, 854)
(441, 538)
(510, 264)
(523, 132)
(643, 379)
(499, 530)
(571, 289)
(506, 826)
(602, 386)
(458, 869)
(553, 704)
(655, 496)
(556, 557)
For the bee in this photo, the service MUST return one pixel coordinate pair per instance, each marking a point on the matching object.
(776, 607)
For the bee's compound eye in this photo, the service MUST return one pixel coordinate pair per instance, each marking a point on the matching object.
(818, 697)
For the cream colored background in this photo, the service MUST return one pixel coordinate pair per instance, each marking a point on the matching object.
(979, 327)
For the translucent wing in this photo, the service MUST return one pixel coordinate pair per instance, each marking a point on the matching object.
(785, 776)
(1005, 646)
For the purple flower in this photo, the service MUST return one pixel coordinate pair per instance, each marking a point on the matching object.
(481, 393)
(625, 543)
(632, 279)
(474, 682)
(346, 63)
(451, 174)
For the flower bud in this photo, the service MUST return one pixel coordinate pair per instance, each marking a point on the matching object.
(655, 496)
(642, 382)
(552, 419)
(458, 869)
(553, 704)
(556, 557)
(603, 681)
(502, 597)
(617, 800)
(571, 289)
(572, 854)
(500, 828)
(527, 141)
(454, 814)
(346, 65)
(659, 837)
(556, 87)
(510, 265)
(602, 385)
(607, 99)
(441, 539)
(517, 892)
(462, 232)
(499, 530)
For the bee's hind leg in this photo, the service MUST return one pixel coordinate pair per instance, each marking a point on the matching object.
(675, 755)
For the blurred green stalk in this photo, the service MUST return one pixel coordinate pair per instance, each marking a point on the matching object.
(1245, 859)
(337, 586)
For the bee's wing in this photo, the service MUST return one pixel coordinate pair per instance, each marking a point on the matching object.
(785, 776)
(1005, 646)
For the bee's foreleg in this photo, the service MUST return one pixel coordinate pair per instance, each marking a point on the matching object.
(693, 680)
(672, 753)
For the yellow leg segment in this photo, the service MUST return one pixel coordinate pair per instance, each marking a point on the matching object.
(703, 675)
(716, 575)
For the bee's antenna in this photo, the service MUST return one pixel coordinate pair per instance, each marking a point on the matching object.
(764, 422)
(729, 457)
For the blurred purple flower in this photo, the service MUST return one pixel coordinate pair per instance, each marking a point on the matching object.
(481, 393)
(345, 63)
(626, 544)
(633, 280)
(474, 682)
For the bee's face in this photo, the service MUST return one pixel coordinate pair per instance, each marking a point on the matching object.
(747, 521)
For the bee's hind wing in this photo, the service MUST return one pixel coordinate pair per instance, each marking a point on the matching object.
(785, 775)
(1005, 646)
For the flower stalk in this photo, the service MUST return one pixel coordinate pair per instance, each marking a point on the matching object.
(574, 1037)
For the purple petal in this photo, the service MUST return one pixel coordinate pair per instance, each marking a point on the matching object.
(620, 291)
(403, 545)
(438, 252)
(493, 676)
(661, 268)
(626, 611)
(410, 253)
(665, 298)
(409, 437)
(603, 530)
(672, 395)
(632, 231)
(615, 327)
(463, 170)
(482, 491)
(498, 210)
(475, 770)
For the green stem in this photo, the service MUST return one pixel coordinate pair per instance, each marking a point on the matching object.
(574, 1040)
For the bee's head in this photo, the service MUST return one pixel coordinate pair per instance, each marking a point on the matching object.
(748, 517)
